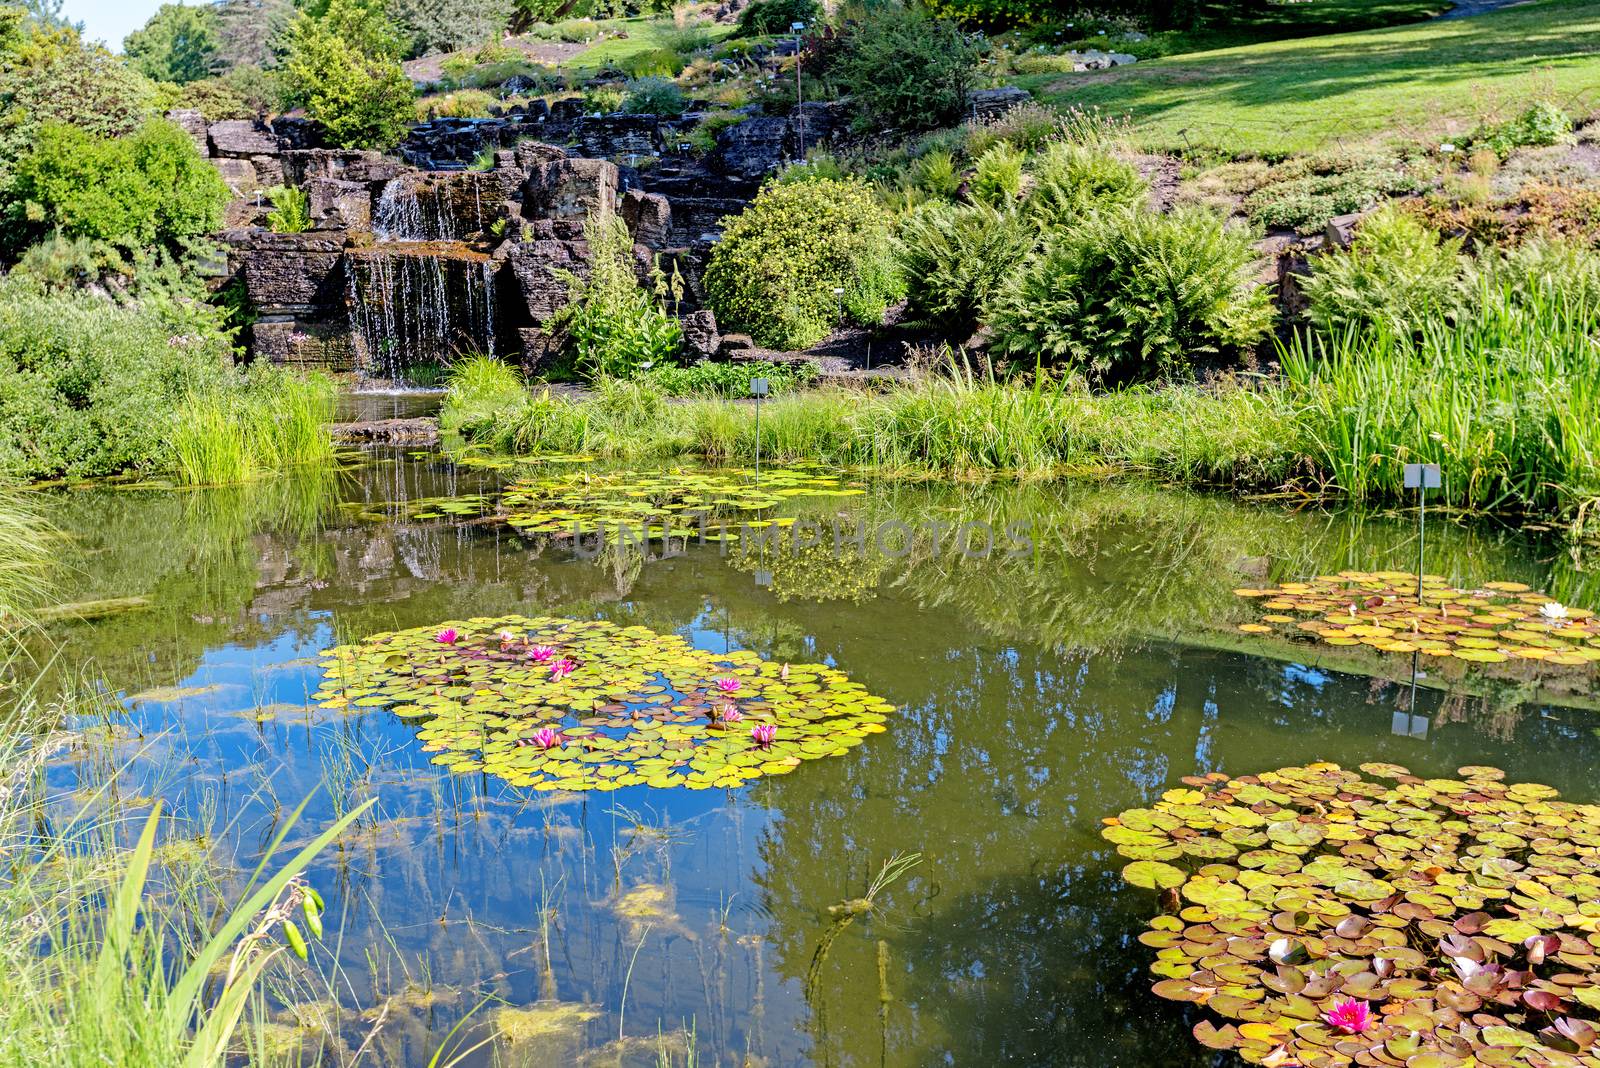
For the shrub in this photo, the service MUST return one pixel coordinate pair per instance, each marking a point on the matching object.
(604, 99)
(291, 210)
(460, 104)
(148, 188)
(906, 69)
(1306, 202)
(955, 258)
(775, 269)
(216, 99)
(90, 388)
(704, 136)
(652, 63)
(343, 69)
(1071, 181)
(997, 13)
(448, 25)
(997, 175)
(612, 326)
(654, 96)
(1543, 123)
(1398, 274)
(935, 173)
(1133, 295)
(776, 16)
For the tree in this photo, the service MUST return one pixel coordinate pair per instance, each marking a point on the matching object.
(178, 44)
(450, 25)
(343, 68)
(51, 15)
(906, 69)
(247, 31)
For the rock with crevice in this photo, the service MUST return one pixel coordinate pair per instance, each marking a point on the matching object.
(568, 188)
(242, 138)
(985, 105)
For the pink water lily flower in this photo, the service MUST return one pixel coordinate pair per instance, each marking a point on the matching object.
(731, 713)
(763, 734)
(541, 653)
(783, 673)
(728, 684)
(448, 636)
(506, 637)
(561, 669)
(547, 738)
(1350, 1016)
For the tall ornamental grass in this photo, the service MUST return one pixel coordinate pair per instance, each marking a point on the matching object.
(277, 421)
(25, 546)
(1506, 400)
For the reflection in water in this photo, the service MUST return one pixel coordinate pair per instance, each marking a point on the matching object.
(1039, 691)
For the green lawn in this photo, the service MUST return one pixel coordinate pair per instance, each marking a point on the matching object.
(1280, 19)
(1420, 82)
(643, 34)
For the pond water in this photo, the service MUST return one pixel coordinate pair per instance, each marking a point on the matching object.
(1039, 687)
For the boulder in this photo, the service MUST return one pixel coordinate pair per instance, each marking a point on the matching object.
(269, 170)
(294, 131)
(193, 123)
(351, 165)
(649, 218)
(242, 137)
(1341, 229)
(986, 104)
(323, 345)
(299, 274)
(529, 154)
(533, 265)
(618, 136)
(570, 188)
(338, 204)
(521, 85)
(700, 336)
(752, 148)
(239, 175)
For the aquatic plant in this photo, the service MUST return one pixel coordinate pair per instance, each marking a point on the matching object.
(1331, 919)
(667, 503)
(618, 706)
(1499, 622)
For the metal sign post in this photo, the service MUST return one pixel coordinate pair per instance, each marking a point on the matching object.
(758, 390)
(799, 110)
(1422, 478)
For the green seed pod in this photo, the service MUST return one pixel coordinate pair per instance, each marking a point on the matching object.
(313, 918)
(312, 895)
(297, 942)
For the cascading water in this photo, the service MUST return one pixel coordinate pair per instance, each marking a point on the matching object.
(420, 294)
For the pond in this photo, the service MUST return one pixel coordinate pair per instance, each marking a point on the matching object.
(1081, 665)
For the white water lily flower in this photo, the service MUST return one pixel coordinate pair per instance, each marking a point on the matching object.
(1553, 611)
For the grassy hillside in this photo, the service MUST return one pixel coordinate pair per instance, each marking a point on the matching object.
(1418, 82)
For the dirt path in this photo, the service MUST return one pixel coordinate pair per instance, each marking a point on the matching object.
(431, 68)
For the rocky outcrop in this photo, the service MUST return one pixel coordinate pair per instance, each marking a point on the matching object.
(700, 335)
(242, 138)
(387, 432)
(649, 218)
(986, 104)
(760, 145)
(570, 188)
(291, 274)
(618, 136)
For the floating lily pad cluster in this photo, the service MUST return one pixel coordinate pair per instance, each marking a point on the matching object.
(1322, 918)
(1500, 622)
(673, 503)
(562, 704)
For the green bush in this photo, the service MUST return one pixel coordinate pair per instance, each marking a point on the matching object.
(215, 98)
(1543, 123)
(997, 13)
(905, 69)
(1305, 202)
(612, 325)
(1133, 295)
(775, 269)
(460, 104)
(90, 388)
(148, 188)
(1071, 181)
(344, 69)
(704, 136)
(732, 380)
(449, 25)
(955, 258)
(1029, 127)
(604, 99)
(291, 210)
(1398, 274)
(654, 96)
(936, 174)
(652, 63)
(776, 16)
(997, 175)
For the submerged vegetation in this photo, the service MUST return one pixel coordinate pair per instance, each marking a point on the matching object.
(1435, 921)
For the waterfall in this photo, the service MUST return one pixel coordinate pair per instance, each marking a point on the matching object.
(414, 208)
(412, 305)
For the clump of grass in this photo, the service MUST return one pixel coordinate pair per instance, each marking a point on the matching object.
(24, 567)
(276, 421)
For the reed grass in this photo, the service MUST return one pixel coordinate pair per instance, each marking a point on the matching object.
(25, 555)
(1505, 397)
(107, 955)
(278, 421)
